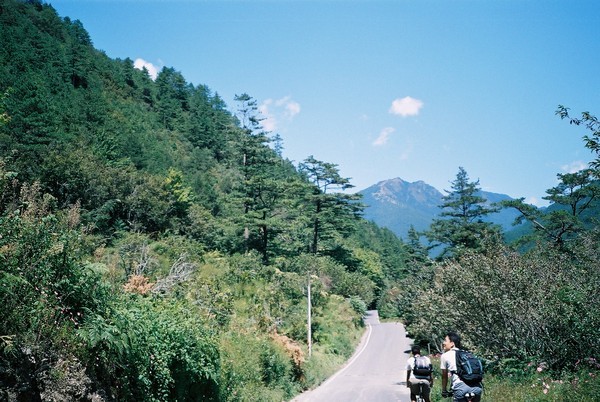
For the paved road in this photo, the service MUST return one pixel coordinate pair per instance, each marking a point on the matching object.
(376, 372)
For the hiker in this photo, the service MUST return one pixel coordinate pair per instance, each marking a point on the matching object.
(461, 383)
(419, 375)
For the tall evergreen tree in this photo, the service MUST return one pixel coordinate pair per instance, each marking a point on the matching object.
(417, 250)
(260, 188)
(332, 211)
(173, 98)
(461, 224)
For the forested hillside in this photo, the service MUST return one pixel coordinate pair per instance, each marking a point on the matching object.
(155, 245)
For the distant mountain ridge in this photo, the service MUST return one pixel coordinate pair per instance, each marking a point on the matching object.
(397, 205)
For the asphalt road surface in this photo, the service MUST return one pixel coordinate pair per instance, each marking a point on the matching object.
(376, 372)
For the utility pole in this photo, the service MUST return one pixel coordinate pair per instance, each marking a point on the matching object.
(309, 320)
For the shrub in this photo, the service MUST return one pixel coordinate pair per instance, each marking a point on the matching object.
(254, 368)
(336, 328)
(511, 306)
(358, 305)
(151, 350)
(46, 293)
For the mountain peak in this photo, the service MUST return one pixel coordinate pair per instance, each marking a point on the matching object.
(400, 192)
(398, 205)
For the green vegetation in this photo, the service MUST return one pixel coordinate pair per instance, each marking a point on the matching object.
(460, 226)
(529, 308)
(534, 383)
(156, 246)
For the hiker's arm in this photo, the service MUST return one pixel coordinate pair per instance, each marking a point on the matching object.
(444, 380)
(408, 371)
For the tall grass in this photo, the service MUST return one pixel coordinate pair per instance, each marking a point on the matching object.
(538, 385)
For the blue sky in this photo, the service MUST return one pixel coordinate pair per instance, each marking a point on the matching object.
(382, 88)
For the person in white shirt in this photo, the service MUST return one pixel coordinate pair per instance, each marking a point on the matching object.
(451, 344)
(418, 382)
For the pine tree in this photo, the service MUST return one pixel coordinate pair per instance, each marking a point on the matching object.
(461, 224)
(331, 210)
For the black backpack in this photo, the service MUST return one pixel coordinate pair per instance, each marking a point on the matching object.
(469, 368)
(422, 367)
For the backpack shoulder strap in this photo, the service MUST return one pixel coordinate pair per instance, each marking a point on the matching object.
(456, 352)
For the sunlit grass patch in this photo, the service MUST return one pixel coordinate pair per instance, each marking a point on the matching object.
(539, 385)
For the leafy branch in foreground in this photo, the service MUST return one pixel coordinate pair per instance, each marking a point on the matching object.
(574, 199)
(575, 195)
(592, 141)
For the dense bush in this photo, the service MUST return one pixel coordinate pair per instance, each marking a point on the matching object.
(151, 350)
(538, 307)
(255, 368)
(46, 294)
(334, 277)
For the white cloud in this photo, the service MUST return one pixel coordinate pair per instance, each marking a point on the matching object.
(278, 111)
(536, 202)
(269, 123)
(152, 69)
(574, 167)
(384, 136)
(406, 106)
(291, 108)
